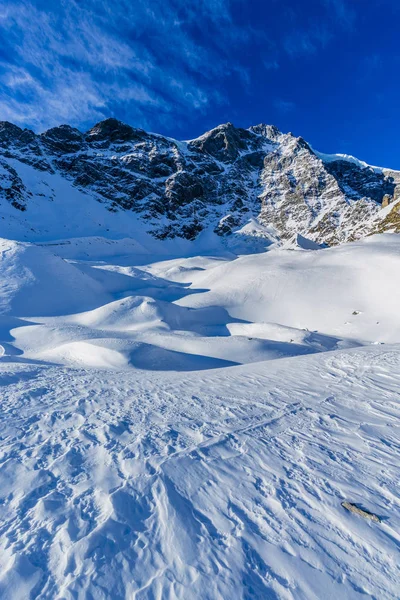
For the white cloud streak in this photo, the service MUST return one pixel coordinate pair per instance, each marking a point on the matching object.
(148, 62)
(77, 62)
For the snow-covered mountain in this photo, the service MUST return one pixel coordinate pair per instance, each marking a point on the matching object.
(257, 182)
(182, 416)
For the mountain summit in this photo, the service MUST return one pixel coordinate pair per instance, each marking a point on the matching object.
(255, 182)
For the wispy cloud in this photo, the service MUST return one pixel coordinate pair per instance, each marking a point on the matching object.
(307, 41)
(284, 106)
(79, 61)
(148, 63)
(303, 40)
(271, 65)
(342, 12)
(299, 43)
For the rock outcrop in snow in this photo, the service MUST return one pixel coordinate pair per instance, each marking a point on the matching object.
(221, 181)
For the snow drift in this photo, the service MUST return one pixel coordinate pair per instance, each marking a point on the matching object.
(35, 282)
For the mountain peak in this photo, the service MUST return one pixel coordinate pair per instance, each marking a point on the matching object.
(113, 130)
(269, 131)
(223, 181)
(223, 142)
(63, 139)
(12, 133)
(10, 127)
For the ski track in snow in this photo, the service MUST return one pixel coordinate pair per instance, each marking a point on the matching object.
(132, 482)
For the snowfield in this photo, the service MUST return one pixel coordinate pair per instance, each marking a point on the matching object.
(187, 426)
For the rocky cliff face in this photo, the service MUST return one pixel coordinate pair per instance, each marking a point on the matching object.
(222, 180)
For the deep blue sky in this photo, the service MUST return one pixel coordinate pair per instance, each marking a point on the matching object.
(324, 69)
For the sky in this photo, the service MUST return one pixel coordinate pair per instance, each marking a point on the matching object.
(327, 70)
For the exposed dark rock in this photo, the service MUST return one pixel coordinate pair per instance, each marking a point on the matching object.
(62, 140)
(22, 144)
(227, 225)
(12, 134)
(224, 142)
(12, 188)
(182, 188)
(358, 182)
(112, 131)
(220, 180)
(270, 132)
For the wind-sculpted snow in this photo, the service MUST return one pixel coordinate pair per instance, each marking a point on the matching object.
(36, 282)
(203, 487)
(195, 312)
(187, 427)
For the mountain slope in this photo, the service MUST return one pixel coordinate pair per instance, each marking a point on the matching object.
(256, 183)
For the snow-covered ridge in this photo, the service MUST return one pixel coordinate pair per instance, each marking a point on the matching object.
(347, 158)
(213, 186)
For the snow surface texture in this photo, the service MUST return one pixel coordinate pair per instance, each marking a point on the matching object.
(135, 464)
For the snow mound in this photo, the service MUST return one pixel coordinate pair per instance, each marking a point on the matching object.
(135, 312)
(135, 465)
(86, 354)
(197, 312)
(318, 291)
(36, 282)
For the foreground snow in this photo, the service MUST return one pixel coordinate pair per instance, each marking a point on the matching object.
(129, 470)
(222, 485)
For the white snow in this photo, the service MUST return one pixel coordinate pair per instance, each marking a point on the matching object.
(351, 159)
(35, 282)
(186, 426)
(317, 290)
(347, 158)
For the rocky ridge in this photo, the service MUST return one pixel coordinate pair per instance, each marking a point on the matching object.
(256, 180)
